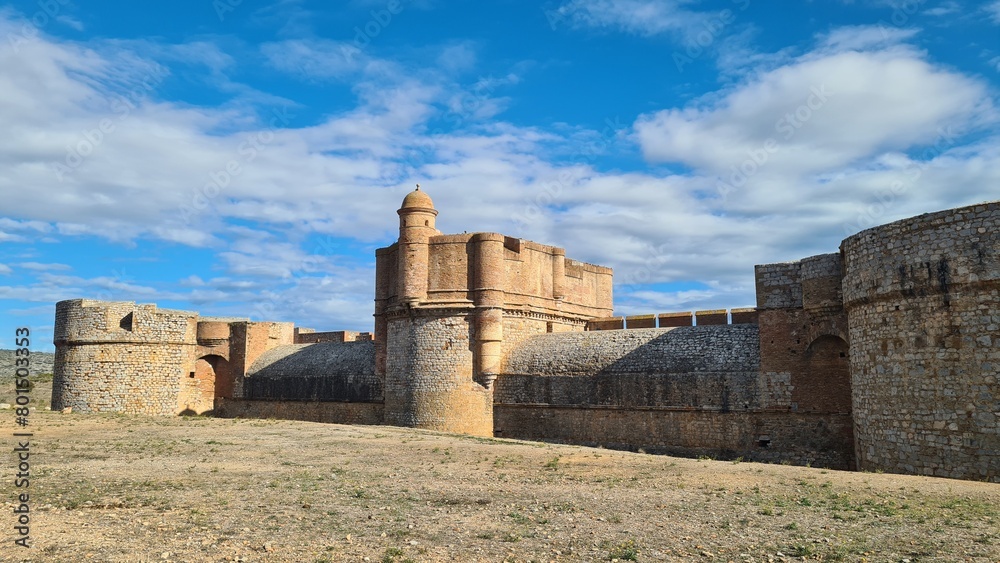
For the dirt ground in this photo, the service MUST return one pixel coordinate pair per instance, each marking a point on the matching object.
(119, 488)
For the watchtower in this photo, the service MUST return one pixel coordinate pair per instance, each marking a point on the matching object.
(448, 308)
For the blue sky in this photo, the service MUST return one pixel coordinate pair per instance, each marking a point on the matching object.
(246, 157)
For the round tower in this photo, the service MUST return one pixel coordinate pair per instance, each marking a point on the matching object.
(416, 227)
(922, 299)
(431, 344)
(122, 357)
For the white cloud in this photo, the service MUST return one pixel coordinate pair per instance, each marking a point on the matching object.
(5, 270)
(42, 267)
(14, 225)
(460, 57)
(993, 11)
(162, 172)
(70, 21)
(315, 59)
(864, 37)
(944, 9)
(823, 111)
(192, 281)
(639, 17)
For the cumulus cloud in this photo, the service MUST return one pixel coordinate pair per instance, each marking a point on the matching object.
(883, 138)
(825, 110)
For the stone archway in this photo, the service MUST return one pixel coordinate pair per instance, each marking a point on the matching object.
(825, 385)
(201, 387)
(224, 380)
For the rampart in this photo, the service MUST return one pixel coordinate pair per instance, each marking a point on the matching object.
(923, 309)
(882, 356)
(691, 390)
(123, 357)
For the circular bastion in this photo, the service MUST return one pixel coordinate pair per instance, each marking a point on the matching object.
(923, 311)
(121, 357)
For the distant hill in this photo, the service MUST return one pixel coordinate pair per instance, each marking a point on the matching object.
(41, 362)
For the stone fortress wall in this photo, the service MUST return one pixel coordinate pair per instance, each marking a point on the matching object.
(882, 356)
(118, 357)
(923, 315)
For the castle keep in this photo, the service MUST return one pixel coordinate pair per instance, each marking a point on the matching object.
(883, 356)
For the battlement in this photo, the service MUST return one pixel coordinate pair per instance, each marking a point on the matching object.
(81, 321)
(526, 276)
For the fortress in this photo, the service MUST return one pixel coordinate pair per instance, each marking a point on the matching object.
(883, 356)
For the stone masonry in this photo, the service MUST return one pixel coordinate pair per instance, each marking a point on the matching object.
(923, 307)
(883, 356)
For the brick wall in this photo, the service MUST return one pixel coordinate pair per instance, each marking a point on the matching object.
(803, 347)
(313, 411)
(332, 336)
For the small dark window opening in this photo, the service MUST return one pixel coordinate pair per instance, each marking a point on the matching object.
(548, 327)
(191, 375)
(843, 355)
(764, 443)
(126, 322)
(427, 223)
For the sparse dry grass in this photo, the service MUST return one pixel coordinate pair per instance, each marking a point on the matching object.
(116, 488)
